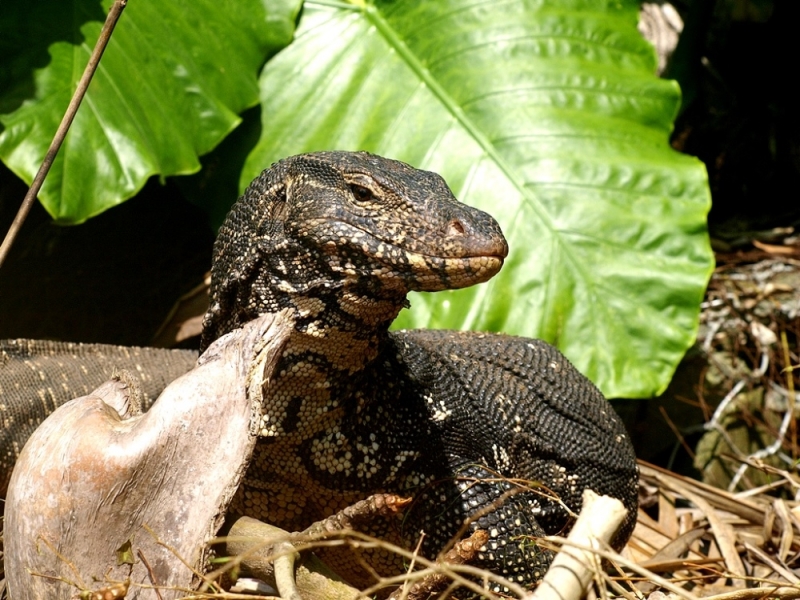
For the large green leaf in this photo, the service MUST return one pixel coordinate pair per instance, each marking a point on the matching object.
(168, 89)
(545, 114)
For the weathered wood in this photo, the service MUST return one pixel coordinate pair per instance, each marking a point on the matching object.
(89, 480)
(258, 544)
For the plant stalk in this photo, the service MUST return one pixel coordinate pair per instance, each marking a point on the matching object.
(105, 35)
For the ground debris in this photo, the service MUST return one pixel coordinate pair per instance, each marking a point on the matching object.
(749, 332)
(713, 543)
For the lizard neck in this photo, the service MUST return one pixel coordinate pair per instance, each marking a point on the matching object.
(341, 318)
(345, 329)
(336, 341)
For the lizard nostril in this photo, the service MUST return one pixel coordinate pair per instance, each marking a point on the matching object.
(455, 227)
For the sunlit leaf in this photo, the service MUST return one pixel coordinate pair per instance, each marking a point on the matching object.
(169, 88)
(547, 115)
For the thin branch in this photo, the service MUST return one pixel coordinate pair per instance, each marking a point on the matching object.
(61, 133)
(153, 577)
(628, 564)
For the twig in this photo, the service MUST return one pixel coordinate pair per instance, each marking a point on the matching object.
(783, 592)
(65, 560)
(402, 592)
(463, 552)
(788, 418)
(61, 133)
(521, 485)
(628, 564)
(571, 571)
(676, 432)
(355, 539)
(723, 532)
(169, 548)
(150, 572)
(714, 423)
(781, 570)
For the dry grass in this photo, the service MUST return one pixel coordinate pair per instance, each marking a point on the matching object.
(714, 543)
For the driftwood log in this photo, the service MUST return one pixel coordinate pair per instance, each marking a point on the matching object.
(97, 481)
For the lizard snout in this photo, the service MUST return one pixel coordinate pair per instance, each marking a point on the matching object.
(471, 240)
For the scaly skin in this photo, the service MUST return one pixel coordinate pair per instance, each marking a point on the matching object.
(444, 416)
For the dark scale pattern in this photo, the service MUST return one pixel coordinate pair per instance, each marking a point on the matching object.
(446, 417)
(441, 507)
(533, 416)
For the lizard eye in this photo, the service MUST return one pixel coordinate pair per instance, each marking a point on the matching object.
(361, 194)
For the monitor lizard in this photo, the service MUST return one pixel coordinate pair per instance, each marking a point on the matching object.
(496, 431)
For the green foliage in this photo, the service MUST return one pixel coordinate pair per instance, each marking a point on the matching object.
(169, 88)
(546, 114)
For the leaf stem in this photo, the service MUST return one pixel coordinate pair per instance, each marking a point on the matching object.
(108, 27)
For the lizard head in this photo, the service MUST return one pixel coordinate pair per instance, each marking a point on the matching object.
(372, 219)
(345, 222)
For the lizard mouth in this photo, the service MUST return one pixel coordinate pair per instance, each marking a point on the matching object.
(398, 258)
(415, 267)
(435, 273)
